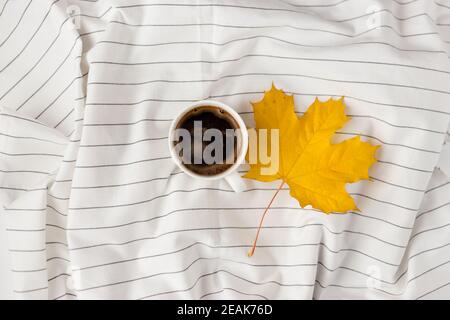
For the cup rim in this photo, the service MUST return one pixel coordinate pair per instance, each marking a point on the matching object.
(239, 159)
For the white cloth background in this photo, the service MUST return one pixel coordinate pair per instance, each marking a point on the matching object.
(94, 207)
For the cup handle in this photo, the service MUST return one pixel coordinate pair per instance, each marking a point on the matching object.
(236, 182)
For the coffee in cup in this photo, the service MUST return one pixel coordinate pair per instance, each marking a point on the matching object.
(206, 125)
(208, 140)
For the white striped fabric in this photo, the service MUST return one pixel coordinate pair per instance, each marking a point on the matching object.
(95, 208)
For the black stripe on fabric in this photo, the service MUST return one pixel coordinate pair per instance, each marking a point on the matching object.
(397, 185)
(69, 161)
(332, 270)
(431, 210)
(437, 187)
(197, 209)
(60, 94)
(233, 208)
(368, 14)
(184, 270)
(348, 287)
(25, 171)
(395, 125)
(91, 32)
(340, 95)
(17, 25)
(63, 181)
(298, 76)
(122, 144)
(59, 33)
(31, 154)
(24, 209)
(54, 226)
(272, 56)
(58, 276)
(30, 290)
(64, 119)
(403, 166)
(28, 271)
(405, 3)
(51, 76)
(385, 202)
(248, 246)
(427, 271)
(20, 118)
(58, 258)
(285, 246)
(274, 246)
(58, 198)
(392, 14)
(26, 250)
(299, 112)
(315, 5)
(236, 228)
(281, 26)
(341, 2)
(217, 272)
(126, 184)
(441, 5)
(56, 211)
(37, 62)
(121, 164)
(4, 6)
(352, 44)
(234, 290)
(31, 138)
(387, 143)
(236, 209)
(381, 290)
(216, 189)
(22, 189)
(257, 92)
(47, 50)
(434, 290)
(91, 16)
(64, 295)
(32, 37)
(56, 242)
(167, 158)
(250, 112)
(71, 133)
(181, 250)
(338, 132)
(242, 246)
(125, 123)
(139, 102)
(391, 282)
(429, 250)
(25, 230)
(414, 236)
(365, 216)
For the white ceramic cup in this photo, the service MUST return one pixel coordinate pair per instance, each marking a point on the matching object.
(230, 175)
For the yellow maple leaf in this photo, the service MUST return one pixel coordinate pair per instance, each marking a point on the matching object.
(315, 170)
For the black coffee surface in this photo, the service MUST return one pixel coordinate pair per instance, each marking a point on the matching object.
(210, 118)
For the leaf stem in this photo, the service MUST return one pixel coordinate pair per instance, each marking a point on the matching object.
(252, 250)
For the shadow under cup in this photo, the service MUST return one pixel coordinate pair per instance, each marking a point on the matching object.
(207, 140)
